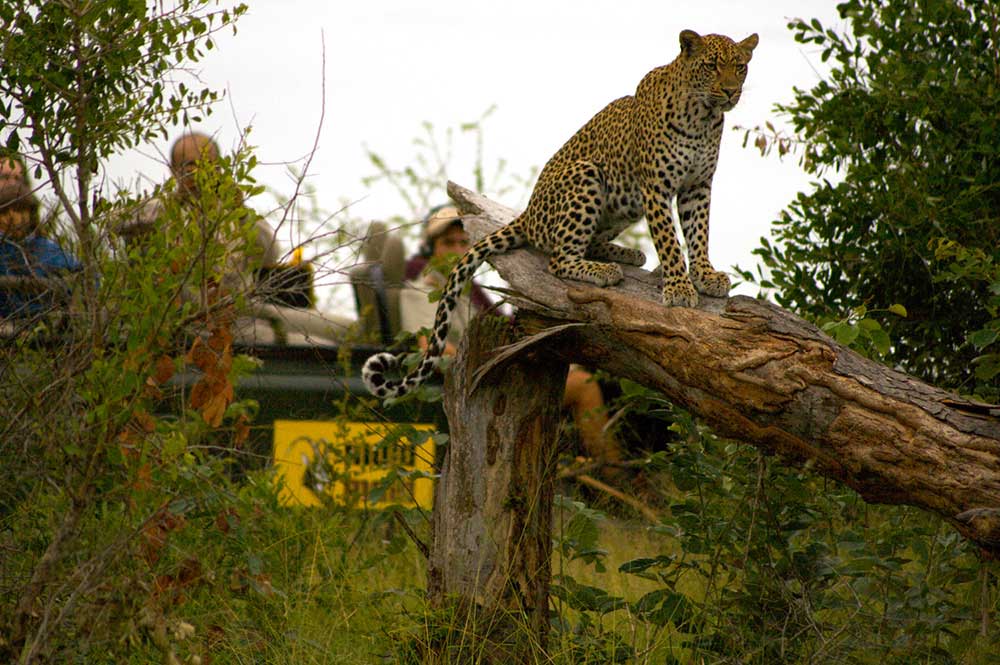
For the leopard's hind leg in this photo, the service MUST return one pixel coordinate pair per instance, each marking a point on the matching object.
(602, 249)
(564, 215)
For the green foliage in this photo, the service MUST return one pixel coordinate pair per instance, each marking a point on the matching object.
(961, 265)
(895, 253)
(577, 536)
(904, 134)
(111, 457)
(125, 540)
(83, 80)
(861, 332)
(775, 565)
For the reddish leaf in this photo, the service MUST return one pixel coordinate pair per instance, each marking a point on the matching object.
(163, 369)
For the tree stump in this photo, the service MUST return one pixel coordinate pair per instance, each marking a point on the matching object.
(492, 544)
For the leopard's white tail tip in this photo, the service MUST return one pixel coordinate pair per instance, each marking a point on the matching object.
(374, 375)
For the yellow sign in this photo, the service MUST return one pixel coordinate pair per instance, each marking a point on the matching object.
(346, 460)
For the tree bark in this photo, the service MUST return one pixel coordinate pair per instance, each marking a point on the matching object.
(492, 545)
(757, 373)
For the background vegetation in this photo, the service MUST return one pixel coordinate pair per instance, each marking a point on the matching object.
(903, 139)
(125, 536)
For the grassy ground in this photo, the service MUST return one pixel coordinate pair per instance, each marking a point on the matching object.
(328, 585)
(348, 588)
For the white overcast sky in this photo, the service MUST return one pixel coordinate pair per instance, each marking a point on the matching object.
(548, 66)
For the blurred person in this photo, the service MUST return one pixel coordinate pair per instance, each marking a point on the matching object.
(283, 307)
(444, 236)
(194, 151)
(24, 253)
(189, 153)
(13, 169)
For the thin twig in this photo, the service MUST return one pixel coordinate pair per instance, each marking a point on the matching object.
(627, 499)
(421, 545)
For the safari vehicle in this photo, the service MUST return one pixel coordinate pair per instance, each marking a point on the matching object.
(313, 403)
(318, 426)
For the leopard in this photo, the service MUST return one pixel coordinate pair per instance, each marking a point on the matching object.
(636, 158)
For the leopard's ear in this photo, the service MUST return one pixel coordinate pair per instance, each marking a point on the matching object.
(691, 42)
(748, 45)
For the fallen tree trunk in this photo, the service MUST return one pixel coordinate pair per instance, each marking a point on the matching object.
(757, 373)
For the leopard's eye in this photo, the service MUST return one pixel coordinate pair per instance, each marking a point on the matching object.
(708, 65)
(741, 69)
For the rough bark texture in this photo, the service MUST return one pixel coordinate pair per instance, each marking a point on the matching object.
(758, 373)
(493, 506)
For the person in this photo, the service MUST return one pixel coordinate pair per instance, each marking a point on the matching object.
(189, 153)
(282, 307)
(25, 253)
(13, 169)
(444, 235)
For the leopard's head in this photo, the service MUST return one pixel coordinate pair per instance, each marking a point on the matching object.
(716, 67)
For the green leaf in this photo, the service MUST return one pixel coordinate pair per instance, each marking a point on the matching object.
(898, 310)
(987, 366)
(586, 598)
(869, 325)
(880, 340)
(675, 609)
(983, 338)
(845, 333)
(174, 445)
(72, 449)
(637, 565)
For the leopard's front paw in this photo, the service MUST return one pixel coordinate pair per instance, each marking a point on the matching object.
(712, 283)
(609, 274)
(680, 294)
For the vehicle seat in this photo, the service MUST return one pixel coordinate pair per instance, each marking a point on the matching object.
(377, 281)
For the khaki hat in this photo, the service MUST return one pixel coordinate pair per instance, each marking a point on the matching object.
(440, 221)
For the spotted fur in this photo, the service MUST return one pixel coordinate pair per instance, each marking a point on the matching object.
(633, 159)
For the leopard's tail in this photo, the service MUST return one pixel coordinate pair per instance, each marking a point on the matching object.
(378, 365)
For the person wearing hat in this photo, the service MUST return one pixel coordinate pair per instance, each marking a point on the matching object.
(444, 236)
(24, 253)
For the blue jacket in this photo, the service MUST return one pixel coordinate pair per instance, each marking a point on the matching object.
(36, 256)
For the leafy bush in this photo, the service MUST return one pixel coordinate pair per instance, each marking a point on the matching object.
(902, 137)
(764, 563)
